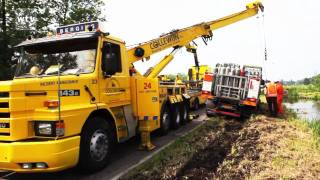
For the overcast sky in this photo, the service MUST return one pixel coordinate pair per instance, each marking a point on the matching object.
(292, 30)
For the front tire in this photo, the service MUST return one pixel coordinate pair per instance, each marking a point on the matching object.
(97, 142)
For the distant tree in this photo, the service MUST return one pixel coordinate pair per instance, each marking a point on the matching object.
(21, 18)
(74, 11)
(291, 82)
(172, 77)
(183, 76)
(306, 81)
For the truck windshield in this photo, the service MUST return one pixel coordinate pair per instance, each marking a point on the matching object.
(76, 57)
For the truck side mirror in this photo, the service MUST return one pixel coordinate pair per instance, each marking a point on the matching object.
(110, 60)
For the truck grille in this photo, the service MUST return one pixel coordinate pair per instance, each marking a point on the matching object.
(4, 105)
(4, 129)
(4, 94)
(4, 125)
(4, 114)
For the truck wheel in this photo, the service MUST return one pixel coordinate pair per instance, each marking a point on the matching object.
(196, 104)
(96, 144)
(184, 112)
(175, 116)
(165, 121)
(245, 112)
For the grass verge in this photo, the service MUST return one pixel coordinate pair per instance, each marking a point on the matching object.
(303, 92)
(166, 163)
(311, 126)
(297, 150)
(261, 148)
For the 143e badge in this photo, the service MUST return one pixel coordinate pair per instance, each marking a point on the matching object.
(70, 92)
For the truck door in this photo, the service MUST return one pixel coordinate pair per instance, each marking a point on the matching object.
(115, 83)
(114, 87)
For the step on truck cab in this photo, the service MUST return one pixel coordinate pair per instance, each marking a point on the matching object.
(76, 94)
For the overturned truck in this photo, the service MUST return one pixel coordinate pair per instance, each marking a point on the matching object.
(232, 90)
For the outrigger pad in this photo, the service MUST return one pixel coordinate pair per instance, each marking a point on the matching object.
(146, 142)
(193, 116)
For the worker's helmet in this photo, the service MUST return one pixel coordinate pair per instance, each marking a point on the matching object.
(35, 70)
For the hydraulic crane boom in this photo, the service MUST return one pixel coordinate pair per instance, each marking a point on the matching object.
(182, 37)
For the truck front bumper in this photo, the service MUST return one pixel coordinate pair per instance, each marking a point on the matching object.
(57, 154)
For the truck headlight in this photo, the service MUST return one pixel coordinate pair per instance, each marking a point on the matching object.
(49, 128)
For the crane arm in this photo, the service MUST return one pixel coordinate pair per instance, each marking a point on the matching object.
(182, 37)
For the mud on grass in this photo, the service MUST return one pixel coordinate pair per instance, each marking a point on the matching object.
(270, 148)
(197, 155)
(260, 148)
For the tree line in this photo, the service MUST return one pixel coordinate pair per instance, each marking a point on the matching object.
(22, 18)
(315, 81)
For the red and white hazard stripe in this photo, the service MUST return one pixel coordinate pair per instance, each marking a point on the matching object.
(207, 83)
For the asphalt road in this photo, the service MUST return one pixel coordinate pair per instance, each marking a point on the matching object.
(125, 157)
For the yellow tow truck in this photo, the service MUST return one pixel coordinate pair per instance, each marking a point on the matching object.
(76, 94)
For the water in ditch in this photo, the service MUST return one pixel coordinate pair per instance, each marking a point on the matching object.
(305, 109)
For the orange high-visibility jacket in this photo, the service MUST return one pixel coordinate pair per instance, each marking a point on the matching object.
(271, 90)
(280, 90)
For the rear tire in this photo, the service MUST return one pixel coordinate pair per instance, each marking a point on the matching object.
(184, 112)
(96, 145)
(175, 116)
(165, 121)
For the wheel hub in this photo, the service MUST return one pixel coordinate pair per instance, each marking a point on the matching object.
(166, 119)
(178, 118)
(99, 145)
(185, 114)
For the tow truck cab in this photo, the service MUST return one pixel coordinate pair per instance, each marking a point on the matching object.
(43, 110)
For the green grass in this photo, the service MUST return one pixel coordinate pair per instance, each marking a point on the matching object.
(305, 125)
(315, 127)
(298, 152)
(303, 92)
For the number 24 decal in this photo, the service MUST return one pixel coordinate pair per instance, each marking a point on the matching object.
(147, 85)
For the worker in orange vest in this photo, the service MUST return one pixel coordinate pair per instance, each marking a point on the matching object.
(280, 93)
(271, 96)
